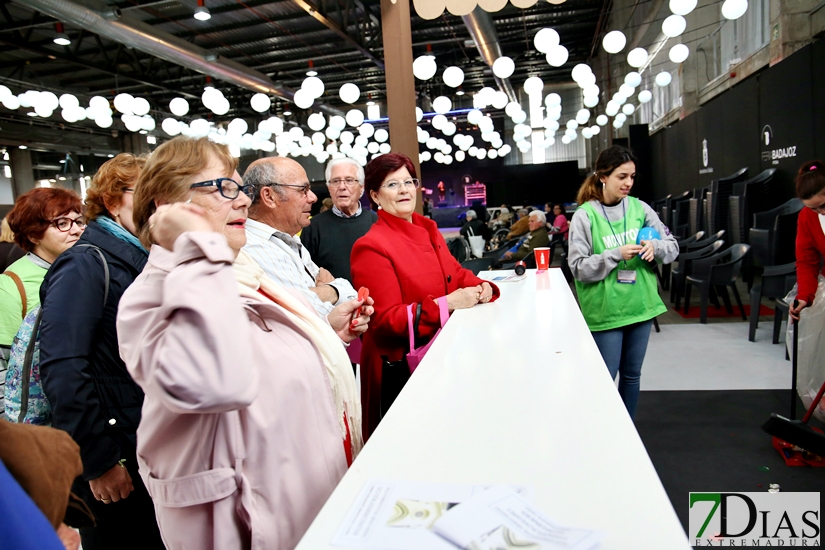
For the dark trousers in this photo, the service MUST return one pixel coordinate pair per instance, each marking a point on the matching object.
(128, 523)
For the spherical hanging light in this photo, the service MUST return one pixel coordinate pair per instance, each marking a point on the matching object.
(449, 129)
(221, 106)
(260, 103)
(590, 90)
(99, 103)
(557, 56)
(587, 133)
(500, 100)
(372, 147)
(424, 67)
(591, 101)
(678, 53)
(349, 93)
(303, 99)
(552, 100)
(618, 123)
(123, 103)
(236, 127)
(512, 108)
(140, 106)
(626, 90)
(645, 96)
(682, 7)
(572, 125)
(633, 79)
(614, 41)
(384, 148)
(438, 121)
(442, 104)
(170, 126)
(504, 150)
(419, 114)
(519, 117)
(601, 120)
(551, 125)
(104, 121)
(316, 121)
(612, 108)
(503, 67)
(545, 40)
(628, 109)
(595, 129)
(179, 106)
(673, 26)
(367, 130)
(587, 80)
(67, 101)
(347, 137)
(360, 140)
(460, 156)
(338, 122)
(580, 71)
(565, 139)
(355, 118)
(453, 77)
(637, 57)
(314, 86)
(619, 99)
(582, 116)
(381, 135)
(11, 102)
(486, 125)
(663, 79)
(533, 85)
(474, 116)
(332, 133)
(734, 9)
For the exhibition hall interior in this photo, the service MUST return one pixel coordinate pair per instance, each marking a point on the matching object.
(550, 270)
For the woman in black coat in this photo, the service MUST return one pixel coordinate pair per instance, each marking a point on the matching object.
(92, 396)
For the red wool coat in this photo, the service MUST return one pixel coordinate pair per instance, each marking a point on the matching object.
(810, 248)
(401, 263)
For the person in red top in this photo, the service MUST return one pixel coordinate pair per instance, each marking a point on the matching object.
(810, 233)
(402, 260)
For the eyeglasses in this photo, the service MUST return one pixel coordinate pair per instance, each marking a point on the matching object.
(64, 224)
(228, 188)
(349, 182)
(303, 189)
(393, 185)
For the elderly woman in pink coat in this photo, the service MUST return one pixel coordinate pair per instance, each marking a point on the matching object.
(251, 414)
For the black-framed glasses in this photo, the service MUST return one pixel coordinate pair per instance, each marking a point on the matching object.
(393, 185)
(303, 189)
(349, 182)
(228, 188)
(65, 223)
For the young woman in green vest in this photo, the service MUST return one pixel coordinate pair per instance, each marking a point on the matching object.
(615, 284)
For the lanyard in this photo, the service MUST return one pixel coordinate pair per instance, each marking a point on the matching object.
(624, 215)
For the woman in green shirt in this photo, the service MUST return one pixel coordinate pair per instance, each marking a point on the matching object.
(45, 221)
(617, 289)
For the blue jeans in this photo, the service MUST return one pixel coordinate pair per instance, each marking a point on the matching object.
(623, 350)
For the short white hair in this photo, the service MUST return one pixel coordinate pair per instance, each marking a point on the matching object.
(346, 160)
(539, 215)
(471, 214)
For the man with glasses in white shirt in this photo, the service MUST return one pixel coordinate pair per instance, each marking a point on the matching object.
(280, 209)
(332, 234)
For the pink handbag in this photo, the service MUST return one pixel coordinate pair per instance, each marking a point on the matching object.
(415, 356)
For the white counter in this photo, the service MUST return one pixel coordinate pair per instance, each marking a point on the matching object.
(516, 392)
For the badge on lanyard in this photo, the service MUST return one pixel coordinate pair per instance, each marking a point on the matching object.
(626, 277)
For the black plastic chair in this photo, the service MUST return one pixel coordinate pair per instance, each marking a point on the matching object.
(718, 271)
(478, 264)
(774, 233)
(680, 272)
(683, 243)
(777, 281)
(702, 243)
(501, 249)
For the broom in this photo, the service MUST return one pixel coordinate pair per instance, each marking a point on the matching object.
(797, 432)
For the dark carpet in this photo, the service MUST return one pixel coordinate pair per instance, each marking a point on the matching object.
(713, 441)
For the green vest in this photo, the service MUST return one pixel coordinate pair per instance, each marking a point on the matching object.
(609, 304)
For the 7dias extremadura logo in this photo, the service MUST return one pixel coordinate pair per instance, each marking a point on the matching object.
(754, 519)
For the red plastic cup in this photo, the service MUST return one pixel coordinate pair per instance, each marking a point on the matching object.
(542, 258)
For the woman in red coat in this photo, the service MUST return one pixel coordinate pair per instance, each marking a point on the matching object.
(403, 260)
(810, 232)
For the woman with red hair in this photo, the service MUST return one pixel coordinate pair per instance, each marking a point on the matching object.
(45, 221)
(403, 260)
(810, 233)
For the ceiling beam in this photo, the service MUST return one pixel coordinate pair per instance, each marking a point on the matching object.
(333, 26)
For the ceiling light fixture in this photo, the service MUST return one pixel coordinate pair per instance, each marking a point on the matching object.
(61, 38)
(312, 71)
(202, 12)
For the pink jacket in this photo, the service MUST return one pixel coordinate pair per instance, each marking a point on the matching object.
(238, 444)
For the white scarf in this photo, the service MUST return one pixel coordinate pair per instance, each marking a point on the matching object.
(250, 278)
